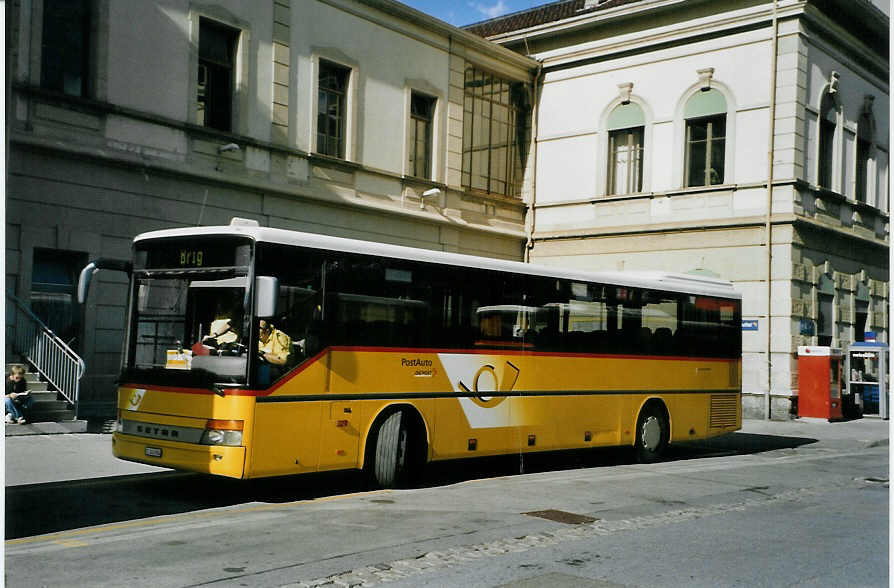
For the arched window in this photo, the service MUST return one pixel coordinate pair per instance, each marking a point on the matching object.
(705, 115)
(827, 126)
(626, 125)
(865, 132)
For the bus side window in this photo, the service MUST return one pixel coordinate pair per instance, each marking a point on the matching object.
(300, 302)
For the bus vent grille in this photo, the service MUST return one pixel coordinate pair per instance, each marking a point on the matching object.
(724, 410)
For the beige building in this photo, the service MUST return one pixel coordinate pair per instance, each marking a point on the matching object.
(654, 122)
(357, 118)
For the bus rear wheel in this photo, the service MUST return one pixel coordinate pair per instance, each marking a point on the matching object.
(652, 433)
(391, 462)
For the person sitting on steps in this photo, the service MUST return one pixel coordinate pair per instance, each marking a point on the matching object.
(18, 399)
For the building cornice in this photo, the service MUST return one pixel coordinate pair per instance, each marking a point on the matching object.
(652, 39)
(750, 222)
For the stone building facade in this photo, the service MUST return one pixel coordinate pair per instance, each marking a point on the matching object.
(327, 116)
(654, 123)
(597, 134)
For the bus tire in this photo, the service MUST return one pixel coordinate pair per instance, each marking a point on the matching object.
(390, 465)
(652, 433)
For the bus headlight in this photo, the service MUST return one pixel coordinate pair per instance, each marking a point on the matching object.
(219, 432)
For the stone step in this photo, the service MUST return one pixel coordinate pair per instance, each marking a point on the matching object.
(51, 416)
(44, 396)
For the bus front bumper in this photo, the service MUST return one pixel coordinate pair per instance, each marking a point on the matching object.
(207, 459)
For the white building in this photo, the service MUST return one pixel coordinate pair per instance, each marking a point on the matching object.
(654, 122)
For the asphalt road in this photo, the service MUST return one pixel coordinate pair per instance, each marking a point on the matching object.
(789, 504)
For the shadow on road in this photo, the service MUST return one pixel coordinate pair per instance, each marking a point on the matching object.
(39, 509)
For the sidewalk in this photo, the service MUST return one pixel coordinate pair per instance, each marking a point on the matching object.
(46, 428)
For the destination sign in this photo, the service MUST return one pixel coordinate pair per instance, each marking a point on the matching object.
(193, 254)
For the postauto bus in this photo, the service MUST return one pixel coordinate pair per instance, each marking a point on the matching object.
(395, 356)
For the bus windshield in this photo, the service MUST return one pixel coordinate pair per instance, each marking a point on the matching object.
(190, 325)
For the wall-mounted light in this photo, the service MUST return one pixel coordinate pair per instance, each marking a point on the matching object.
(427, 193)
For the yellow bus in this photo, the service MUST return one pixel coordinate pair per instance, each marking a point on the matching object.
(392, 357)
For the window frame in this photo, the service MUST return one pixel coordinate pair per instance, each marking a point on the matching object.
(428, 125)
(343, 110)
(709, 143)
(85, 47)
(638, 150)
(221, 98)
(864, 168)
(827, 136)
(479, 107)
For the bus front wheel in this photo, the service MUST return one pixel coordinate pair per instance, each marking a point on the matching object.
(390, 465)
(652, 433)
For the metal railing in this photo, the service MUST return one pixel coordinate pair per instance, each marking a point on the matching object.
(61, 367)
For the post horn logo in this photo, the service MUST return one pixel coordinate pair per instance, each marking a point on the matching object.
(487, 380)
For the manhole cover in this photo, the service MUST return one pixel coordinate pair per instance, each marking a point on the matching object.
(561, 516)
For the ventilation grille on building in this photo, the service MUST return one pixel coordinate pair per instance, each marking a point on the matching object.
(724, 409)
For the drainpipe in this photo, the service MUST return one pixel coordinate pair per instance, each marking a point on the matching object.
(768, 228)
(529, 244)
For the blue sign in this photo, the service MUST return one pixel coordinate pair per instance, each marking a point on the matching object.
(749, 325)
(808, 327)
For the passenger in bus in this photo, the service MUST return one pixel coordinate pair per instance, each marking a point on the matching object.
(222, 336)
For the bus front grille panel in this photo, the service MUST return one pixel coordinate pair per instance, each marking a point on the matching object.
(724, 410)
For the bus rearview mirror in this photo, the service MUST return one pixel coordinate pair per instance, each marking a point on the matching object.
(121, 265)
(266, 294)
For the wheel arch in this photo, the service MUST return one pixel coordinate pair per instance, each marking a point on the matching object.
(418, 425)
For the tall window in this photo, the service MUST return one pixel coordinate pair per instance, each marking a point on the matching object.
(705, 139)
(65, 46)
(864, 154)
(827, 125)
(625, 149)
(825, 320)
(422, 110)
(332, 109)
(217, 56)
(495, 132)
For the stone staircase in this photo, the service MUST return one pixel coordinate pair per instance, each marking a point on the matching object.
(48, 407)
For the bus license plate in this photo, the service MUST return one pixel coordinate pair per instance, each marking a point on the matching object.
(153, 451)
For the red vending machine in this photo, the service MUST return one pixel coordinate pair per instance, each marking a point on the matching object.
(819, 382)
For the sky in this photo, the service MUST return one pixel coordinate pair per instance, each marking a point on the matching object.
(464, 12)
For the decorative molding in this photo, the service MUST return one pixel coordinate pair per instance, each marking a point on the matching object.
(834, 80)
(624, 91)
(705, 75)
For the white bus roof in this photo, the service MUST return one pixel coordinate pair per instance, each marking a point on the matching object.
(659, 280)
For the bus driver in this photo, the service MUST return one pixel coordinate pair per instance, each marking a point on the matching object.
(274, 347)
